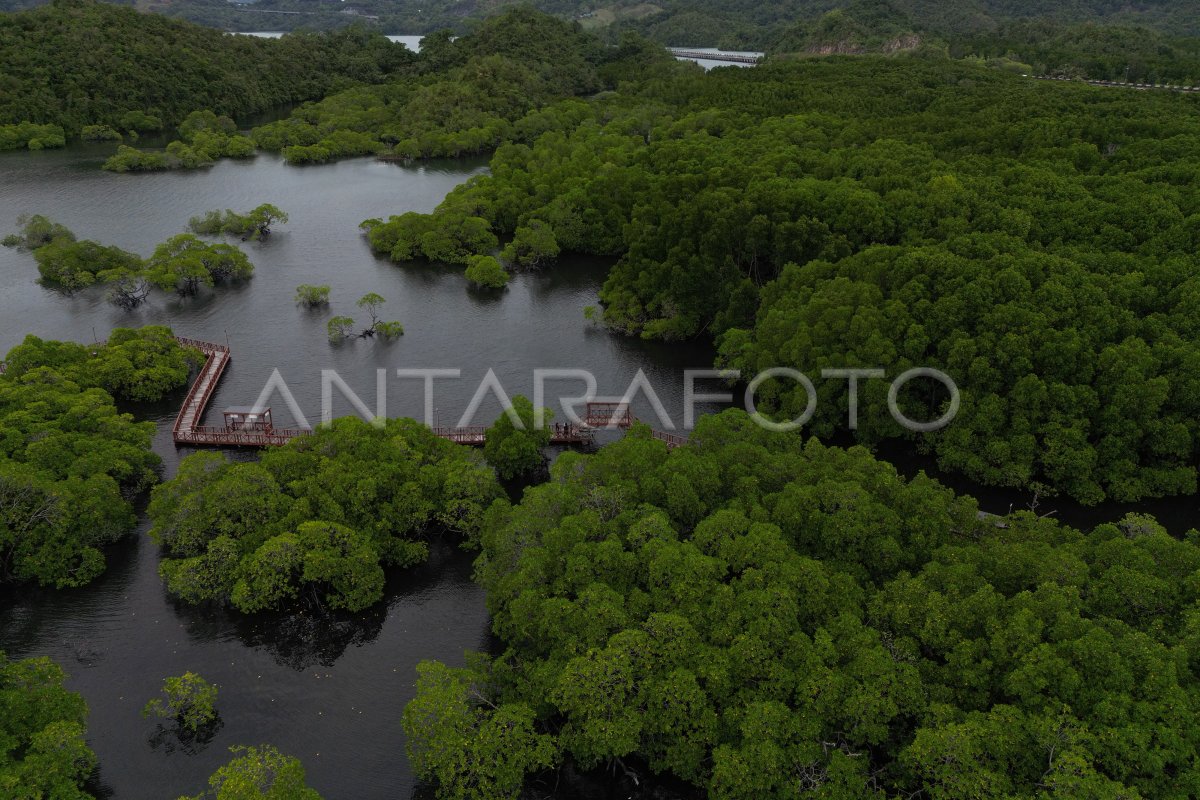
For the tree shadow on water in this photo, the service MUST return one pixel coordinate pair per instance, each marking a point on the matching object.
(299, 639)
(177, 738)
(310, 635)
(310, 638)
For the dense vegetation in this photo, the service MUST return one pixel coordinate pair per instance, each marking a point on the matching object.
(755, 615)
(767, 619)
(182, 264)
(254, 225)
(70, 463)
(315, 521)
(1034, 242)
(43, 752)
(674, 22)
(471, 94)
(77, 62)
(204, 137)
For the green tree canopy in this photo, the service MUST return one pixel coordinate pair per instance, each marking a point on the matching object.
(258, 773)
(514, 450)
(43, 752)
(315, 520)
(763, 617)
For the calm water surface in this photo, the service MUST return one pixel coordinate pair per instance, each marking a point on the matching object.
(329, 692)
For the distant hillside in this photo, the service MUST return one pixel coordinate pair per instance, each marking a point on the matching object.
(78, 62)
(1142, 40)
(736, 22)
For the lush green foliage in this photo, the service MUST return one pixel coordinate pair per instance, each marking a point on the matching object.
(339, 328)
(453, 238)
(204, 137)
(1036, 242)
(312, 296)
(487, 272)
(76, 62)
(258, 773)
(317, 518)
(130, 159)
(70, 265)
(36, 231)
(470, 95)
(42, 748)
(183, 264)
(342, 327)
(69, 462)
(141, 364)
(253, 225)
(767, 619)
(29, 136)
(515, 451)
(532, 245)
(468, 750)
(188, 700)
(100, 133)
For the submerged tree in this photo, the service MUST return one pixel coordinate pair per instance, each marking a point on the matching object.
(70, 265)
(387, 330)
(258, 773)
(254, 225)
(312, 296)
(487, 271)
(36, 231)
(183, 263)
(339, 328)
(188, 699)
(127, 288)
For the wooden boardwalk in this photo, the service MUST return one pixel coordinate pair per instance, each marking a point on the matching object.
(188, 430)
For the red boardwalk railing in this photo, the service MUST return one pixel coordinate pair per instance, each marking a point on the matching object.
(188, 430)
(608, 415)
(476, 436)
(673, 440)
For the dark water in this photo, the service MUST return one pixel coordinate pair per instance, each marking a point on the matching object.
(330, 693)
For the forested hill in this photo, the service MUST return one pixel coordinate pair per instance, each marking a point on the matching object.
(78, 62)
(716, 20)
(726, 18)
(1040, 46)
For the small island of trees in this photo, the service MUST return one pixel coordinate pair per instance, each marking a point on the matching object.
(182, 264)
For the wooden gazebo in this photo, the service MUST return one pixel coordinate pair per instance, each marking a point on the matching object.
(248, 418)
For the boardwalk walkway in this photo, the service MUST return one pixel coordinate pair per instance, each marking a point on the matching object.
(189, 431)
